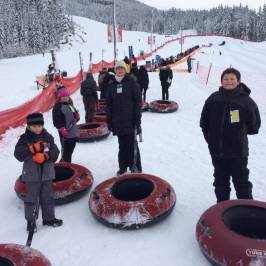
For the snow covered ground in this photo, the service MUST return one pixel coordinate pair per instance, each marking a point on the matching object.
(173, 149)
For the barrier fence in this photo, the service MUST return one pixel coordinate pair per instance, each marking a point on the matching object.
(15, 117)
(211, 76)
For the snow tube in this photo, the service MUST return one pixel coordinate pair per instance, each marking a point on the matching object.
(234, 233)
(145, 107)
(162, 106)
(18, 255)
(100, 117)
(101, 106)
(132, 201)
(72, 181)
(92, 131)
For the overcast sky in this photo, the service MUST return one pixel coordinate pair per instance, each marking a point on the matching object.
(201, 4)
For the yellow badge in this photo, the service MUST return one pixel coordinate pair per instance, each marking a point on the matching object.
(234, 115)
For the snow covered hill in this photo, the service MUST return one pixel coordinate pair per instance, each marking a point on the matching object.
(173, 149)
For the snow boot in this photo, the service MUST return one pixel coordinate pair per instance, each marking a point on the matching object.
(121, 172)
(54, 222)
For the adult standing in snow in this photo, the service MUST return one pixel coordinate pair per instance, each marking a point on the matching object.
(166, 76)
(189, 63)
(143, 82)
(89, 92)
(103, 81)
(65, 117)
(228, 116)
(124, 117)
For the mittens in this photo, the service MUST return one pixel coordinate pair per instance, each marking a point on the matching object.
(64, 132)
(76, 116)
(40, 158)
(39, 146)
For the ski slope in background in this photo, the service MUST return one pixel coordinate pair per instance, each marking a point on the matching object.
(173, 149)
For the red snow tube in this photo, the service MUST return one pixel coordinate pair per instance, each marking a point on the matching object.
(132, 201)
(234, 233)
(162, 106)
(18, 255)
(100, 117)
(101, 106)
(72, 181)
(93, 131)
(145, 107)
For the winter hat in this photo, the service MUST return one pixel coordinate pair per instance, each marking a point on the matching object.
(63, 93)
(35, 119)
(120, 64)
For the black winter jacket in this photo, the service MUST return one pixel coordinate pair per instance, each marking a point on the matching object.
(123, 106)
(226, 119)
(143, 78)
(165, 75)
(32, 171)
(89, 87)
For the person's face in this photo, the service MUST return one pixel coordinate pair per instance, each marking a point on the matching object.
(120, 72)
(36, 129)
(64, 99)
(230, 82)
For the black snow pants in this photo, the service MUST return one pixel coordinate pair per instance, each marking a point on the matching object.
(224, 168)
(126, 152)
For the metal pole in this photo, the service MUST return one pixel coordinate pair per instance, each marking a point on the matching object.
(114, 29)
(151, 31)
(181, 40)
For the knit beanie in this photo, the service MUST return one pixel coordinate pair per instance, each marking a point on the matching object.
(120, 64)
(35, 119)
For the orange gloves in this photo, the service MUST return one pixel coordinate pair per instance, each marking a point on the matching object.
(39, 146)
(40, 158)
(39, 152)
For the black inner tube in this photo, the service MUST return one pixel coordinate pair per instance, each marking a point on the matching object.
(163, 102)
(247, 221)
(62, 173)
(89, 126)
(5, 262)
(132, 189)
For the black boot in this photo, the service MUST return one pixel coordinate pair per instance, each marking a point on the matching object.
(54, 222)
(31, 225)
(121, 171)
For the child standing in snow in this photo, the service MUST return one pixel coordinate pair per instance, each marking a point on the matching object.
(228, 116)
(65, 118)
(37, 150)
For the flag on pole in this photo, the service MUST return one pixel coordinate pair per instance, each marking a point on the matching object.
(110, 33)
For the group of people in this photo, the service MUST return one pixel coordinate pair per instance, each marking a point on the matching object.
(228, 116)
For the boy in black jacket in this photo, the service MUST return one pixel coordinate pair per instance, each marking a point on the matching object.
(37, 150)
(228, 116)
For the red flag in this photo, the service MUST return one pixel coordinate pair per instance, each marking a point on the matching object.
(119, 30)
(110, 33)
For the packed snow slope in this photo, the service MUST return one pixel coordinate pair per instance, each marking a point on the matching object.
(173, 149)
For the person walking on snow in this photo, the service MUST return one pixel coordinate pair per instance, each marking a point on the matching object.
(143, 82)
(65, 118)
(89, 92)
(124, 117)
(38, 152)
(166, 76)
(228, 116)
